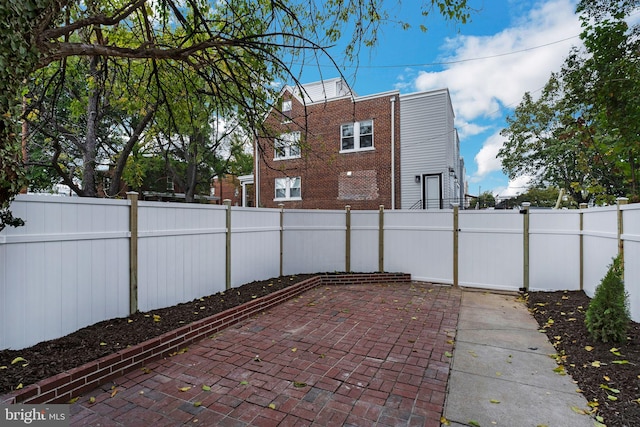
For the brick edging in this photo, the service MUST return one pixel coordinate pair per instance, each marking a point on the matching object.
(61, 388)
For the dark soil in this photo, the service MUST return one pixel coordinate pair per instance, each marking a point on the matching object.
(608, 374)
(49, 358)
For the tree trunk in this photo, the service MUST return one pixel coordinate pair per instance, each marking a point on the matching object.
(116, 179)
(192, 168)
(90, 145)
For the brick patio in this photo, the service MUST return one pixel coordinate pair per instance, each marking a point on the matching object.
(357, 355)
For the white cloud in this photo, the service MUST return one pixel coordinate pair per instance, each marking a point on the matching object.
(515, 187)
(479, 87)
(486, 159)
(466, 129)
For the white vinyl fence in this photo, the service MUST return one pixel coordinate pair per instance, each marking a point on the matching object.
(78, 261)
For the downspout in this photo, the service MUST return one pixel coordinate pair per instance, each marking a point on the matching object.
(393, 152)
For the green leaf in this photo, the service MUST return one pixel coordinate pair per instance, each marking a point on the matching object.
(18, 360)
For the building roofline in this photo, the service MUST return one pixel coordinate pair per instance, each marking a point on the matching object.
(426, 93)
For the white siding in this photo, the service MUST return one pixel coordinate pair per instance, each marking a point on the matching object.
(426, 142)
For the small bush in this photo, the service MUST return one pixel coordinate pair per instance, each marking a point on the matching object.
(608, 314)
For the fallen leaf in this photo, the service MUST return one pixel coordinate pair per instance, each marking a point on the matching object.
(74, 400)
(206, 387)
(103, 344)
(156, 318)
(448, 354)
(560, 370)
(474, 423)
(244, 382)
(588, 348)
(606, 378)
(272, 405)
(92, 400)
(114, 392)
(19, 386)
(615, 351)
(612, 398)
(185, 388)
(299, 384)
(197, 404)
(621, 362)
(17, 360)
(473, 353)
(294, 349)
(612, 390)
(578, 410)
(596, 364)
(444, 421)
(494, 401)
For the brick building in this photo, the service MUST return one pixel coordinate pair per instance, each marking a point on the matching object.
(328, 148)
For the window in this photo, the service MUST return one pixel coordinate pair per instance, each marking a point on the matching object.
(357, 136)
(288, 189)
(287, 146)
(287, 106)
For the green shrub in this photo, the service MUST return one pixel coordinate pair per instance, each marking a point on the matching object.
(608, 315)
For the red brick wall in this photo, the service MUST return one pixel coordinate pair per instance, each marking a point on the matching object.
(325, 181)
(226, 188)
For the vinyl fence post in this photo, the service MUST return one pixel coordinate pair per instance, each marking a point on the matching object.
(621, 201)
(456, 232)
(525, 247)
(133, 251)
(281, 206)
(227, 203)
(381, 240)
(347, 240)
(582, 206)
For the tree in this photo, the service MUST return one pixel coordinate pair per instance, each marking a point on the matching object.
(607, 317)
(483, 201)
(212, 39)
(581, 135)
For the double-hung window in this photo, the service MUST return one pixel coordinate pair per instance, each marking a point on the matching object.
(288, 189)
(356, 136)
(287, 146)
(287, 106)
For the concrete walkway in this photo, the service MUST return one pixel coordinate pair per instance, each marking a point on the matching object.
(502, 374)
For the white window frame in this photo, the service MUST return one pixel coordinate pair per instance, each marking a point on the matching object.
(287, 107)
(290, 145)
(289, 190)
(357, 140)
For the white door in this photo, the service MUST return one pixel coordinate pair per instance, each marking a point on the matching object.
(432, 193)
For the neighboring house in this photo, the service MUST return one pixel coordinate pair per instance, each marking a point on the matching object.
(328, 148)
(227, 188)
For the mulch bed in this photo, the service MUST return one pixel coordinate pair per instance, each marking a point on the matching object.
(608, 374)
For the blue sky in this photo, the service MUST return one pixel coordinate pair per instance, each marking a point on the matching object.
(510, 47)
